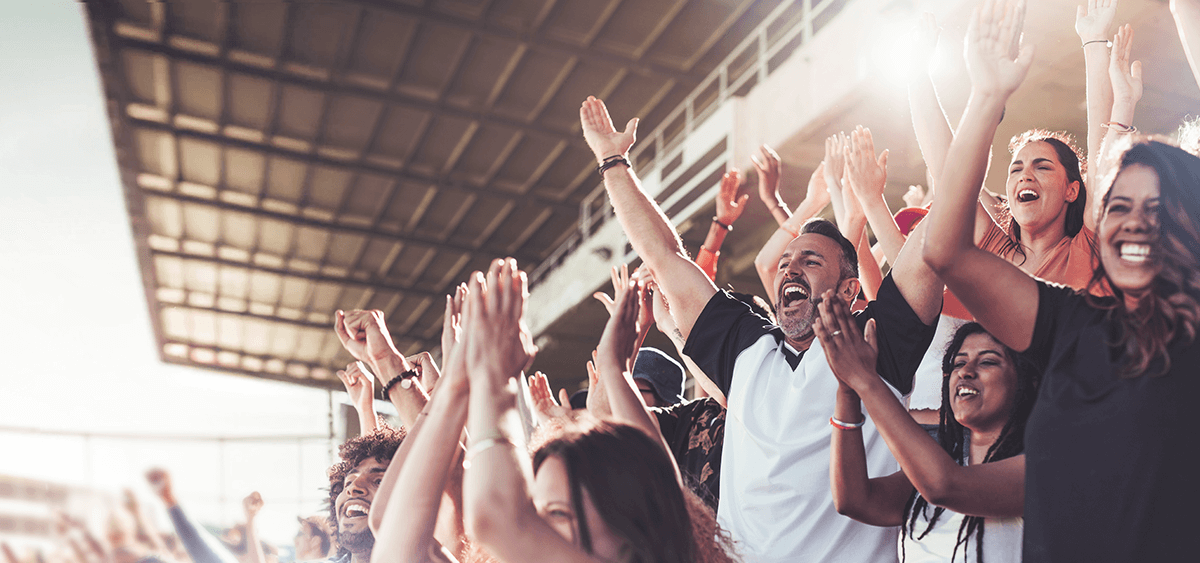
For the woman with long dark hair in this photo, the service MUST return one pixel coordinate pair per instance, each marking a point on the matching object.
(1109, 471)
(942, 499)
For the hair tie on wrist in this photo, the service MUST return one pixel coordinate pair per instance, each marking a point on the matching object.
(480, 446)
(1119, 127)
(612, 161)
(1106, 42)
(846, 425)
(723, 225)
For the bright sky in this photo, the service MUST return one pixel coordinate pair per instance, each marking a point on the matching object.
(77, 337)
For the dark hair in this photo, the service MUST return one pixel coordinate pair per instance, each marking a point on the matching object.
(1068, 157)
(824, 227)
(380, 444)
(631, 481)
(952, 434)
(1171, 310)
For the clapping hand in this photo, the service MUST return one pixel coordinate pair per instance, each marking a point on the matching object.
(497, 340)
(997, 61)
(851, 355)
(545, 408)
(729, 205)
(1126, 77)
(1092, 21)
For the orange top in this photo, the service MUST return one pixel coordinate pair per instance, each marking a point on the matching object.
(1070, 263)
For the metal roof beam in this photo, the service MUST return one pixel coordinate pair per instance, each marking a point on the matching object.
(351, 166)
(345, 87)
(534, 41)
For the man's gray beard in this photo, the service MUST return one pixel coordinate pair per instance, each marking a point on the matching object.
(357, 542)
(796, 328)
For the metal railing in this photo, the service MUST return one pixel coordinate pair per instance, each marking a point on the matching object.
(788, 27)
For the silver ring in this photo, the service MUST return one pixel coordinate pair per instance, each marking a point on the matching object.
(835, 333)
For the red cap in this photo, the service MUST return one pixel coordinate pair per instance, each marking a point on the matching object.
(908, 218)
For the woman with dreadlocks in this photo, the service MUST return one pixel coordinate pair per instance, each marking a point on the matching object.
(948, 494)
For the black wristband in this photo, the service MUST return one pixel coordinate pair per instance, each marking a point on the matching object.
(611, 162)
(387, 389)
(723, 225)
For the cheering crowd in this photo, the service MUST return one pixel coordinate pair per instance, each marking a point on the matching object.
(1015, 387)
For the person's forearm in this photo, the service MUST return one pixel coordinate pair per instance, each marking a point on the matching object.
(254, 548)
(848, 459)
(1099, 99)
(780, 212)
(1187, 22)
(715, 237)
(408, 402)
(952, 218)
(199, 543)
(649, 230)
(884, 227)
(929, 122)
(367, 421)
(407, 529)
(869, 274)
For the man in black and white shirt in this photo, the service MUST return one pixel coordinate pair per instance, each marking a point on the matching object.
(774, 487)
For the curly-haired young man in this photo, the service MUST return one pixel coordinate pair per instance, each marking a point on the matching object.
(352, 485)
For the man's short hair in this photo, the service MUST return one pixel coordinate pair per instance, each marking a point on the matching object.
(380, 444)
(824, 227)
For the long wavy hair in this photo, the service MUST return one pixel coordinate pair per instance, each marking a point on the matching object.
(1171, 310)
(1068, 157)
(632, 483)
(952, 438)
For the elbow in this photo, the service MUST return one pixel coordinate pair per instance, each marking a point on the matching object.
(489, 518)
(937, 255)
(938, 491)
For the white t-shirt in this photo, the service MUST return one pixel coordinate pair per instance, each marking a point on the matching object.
(927, 384)
(775, 492)
(1001, 540)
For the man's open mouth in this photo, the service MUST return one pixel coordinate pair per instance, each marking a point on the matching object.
(793, 292)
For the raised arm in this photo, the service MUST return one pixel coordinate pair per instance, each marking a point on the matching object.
(815, 199)
(251, 505)
(357, 380)
(200, 545)
(729, 209)
(650, 231)
(876, 501)
(500, 516)
(1092, 23)
(991, 489)
(365, 335)
(867, 177)
(1002, 297)
(928, 118)
(769, 167)
(1187, 21)
(1126, 80)
(428, 463)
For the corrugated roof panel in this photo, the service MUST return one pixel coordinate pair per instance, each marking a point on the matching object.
(203, 327)
(318, 29)
(528, 84)
(434, 55)
(201, 223)
(194, 19)
(249, 100)
(169, 271)
(325, 297)
(311, 244)
(200, 276)
(486, 148)
(239, 229)
(137, 11)
(377, 257)
(328, 186)
(300, 111)
(256, 336)
(198, 89)
(283, 341)
(139, 75)
(285, 177)
(367, 196)
(257, 26)
(264, 287)
(165, 216)
(482, 68)
(350, 121)
(175, 323)
(155, 152)
(344, 249)
(294, 293)
(201, 161)
(308, 348)
(399, 131)
(234, 282)
(229, 331)
(244, 170)
(382, 43)
(275, 237)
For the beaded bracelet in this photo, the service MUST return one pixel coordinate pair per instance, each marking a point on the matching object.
(612, 161)
(846, 425)
(404, 379)
(723, 225)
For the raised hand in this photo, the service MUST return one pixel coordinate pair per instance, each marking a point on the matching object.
(545, 408)
(618, 344)
(497, 344)
(867, 174)
(597, 397)
(997, 61)
(452, 320)
(251, 505)
(729, 205)
(1126, 77)
(851, 355)
(915, 196)
(1093, 20)
(160, 483)
(835, 162)
(598, 130)
(770, 169)
(365, 335)
(359, 384)
(924, 40)
(427, 370)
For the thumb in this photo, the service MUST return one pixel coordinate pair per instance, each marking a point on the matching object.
(1080, 12)
(742, 200)
(1135, 70)
(869, 335)
(1025, 58)
(883, 156)
(563, 398)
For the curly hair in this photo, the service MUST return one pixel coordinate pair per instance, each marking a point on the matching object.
(1171, 310)
(952, 436)
(380, 444)
(632, 483)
